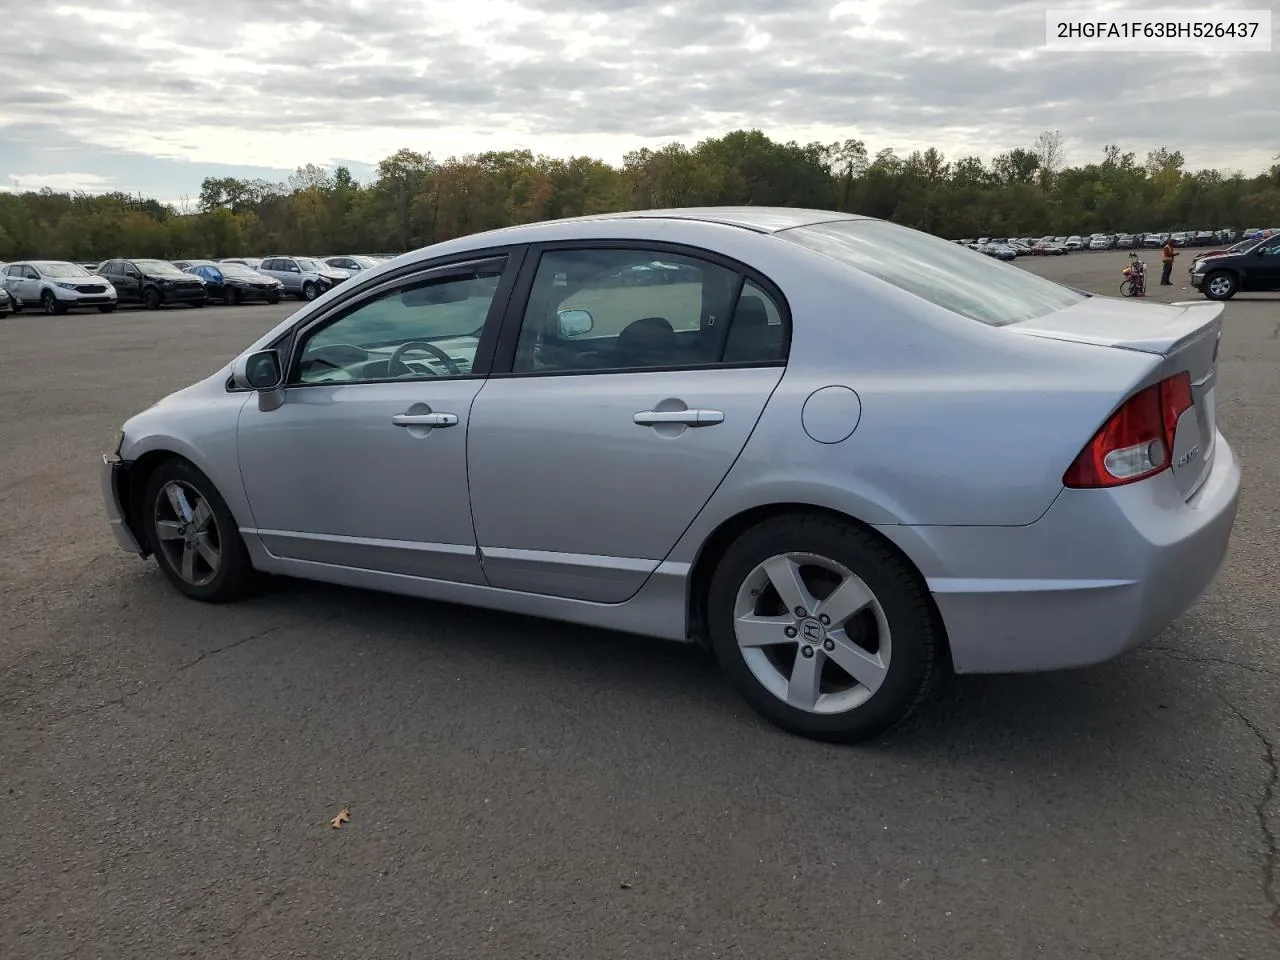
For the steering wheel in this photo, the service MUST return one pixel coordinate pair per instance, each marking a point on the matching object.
(430, 348)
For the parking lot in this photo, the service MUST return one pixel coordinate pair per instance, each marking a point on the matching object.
(519, 788)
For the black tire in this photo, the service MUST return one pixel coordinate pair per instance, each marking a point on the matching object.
(234, 576)
(273, 298)
(1128, 288)
(107, 308)
(231, 296)
(51, 305)
(1220, 285)
(151, 298)
(310, 291)
(917, 649)
(199, 303)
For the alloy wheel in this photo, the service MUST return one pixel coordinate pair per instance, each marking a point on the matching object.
(812, 633)
(187, 531)
(1220, 286)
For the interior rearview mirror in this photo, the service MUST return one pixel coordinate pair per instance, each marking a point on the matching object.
(575, 323)
(258, 371)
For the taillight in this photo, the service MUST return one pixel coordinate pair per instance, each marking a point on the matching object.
(1137, 442)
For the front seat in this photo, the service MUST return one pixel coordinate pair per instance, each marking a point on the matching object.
(648, 342)
(751, 340)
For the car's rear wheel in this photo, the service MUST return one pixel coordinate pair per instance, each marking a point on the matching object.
(195, 539)
(822, 628)
(1220, 285)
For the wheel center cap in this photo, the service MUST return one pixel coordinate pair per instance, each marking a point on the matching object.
(811, 631)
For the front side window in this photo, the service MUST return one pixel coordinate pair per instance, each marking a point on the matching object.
(937, 271)
(627, 309)
(415, 330)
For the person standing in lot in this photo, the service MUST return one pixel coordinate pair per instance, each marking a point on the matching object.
(1167, 254)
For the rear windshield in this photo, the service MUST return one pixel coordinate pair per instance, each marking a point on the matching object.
(961, 280)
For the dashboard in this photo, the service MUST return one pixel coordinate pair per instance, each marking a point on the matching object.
(411, 360)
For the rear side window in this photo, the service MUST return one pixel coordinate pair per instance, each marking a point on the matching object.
(962, 281)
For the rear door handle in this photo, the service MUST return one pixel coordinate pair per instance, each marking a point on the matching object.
(425, 419)
(689, 418)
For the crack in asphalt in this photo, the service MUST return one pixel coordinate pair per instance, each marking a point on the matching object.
(1260, 808)
(1175, 654)
(223, 649)
(122, 701)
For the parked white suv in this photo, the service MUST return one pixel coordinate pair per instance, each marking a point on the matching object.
(58, 286)
(303, 277)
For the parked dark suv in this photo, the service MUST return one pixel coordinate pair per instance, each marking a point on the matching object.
(1252, 271)
(153, 283)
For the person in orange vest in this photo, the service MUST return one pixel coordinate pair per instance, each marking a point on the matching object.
(1167, 254)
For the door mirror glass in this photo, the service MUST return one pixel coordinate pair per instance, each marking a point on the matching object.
(259, 371)
(575, 323)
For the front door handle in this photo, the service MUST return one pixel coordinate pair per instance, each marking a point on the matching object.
(425, 419)
(689, 418)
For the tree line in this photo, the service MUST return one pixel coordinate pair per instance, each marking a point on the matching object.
(415, 199)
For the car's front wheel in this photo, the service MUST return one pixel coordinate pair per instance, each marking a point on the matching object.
(107, 308)
(195, 539)
(51, 304)
(822, 628)
(310, 291)
(1220, 285)
(151, 298)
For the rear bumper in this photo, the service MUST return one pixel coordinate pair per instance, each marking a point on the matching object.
(110, 474)
(1102, 572)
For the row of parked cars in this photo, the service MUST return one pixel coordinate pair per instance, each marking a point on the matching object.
(56, 286)
(1005, 248)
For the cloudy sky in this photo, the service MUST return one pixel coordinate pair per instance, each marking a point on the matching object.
(155, 95)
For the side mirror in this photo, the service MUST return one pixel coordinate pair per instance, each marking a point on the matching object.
(258, 371)
(575, 323)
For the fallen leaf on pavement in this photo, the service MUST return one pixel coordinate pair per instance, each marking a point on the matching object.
(343, 816)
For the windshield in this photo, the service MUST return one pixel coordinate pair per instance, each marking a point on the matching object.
(239, 270)
(937, 271)
(58, 268)
(307, 265)
(158, 268)
(367, 262)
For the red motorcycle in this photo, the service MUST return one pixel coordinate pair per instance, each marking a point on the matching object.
(1135, 278)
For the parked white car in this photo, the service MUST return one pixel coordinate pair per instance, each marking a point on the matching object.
(58, 286)
(352, 263)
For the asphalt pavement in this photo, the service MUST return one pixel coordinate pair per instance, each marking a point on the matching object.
(519, 788)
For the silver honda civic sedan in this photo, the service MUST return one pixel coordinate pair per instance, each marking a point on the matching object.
(844, 454)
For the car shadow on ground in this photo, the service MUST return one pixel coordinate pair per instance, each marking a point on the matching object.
(1027, 720)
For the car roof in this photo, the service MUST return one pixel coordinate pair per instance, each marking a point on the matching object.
(758, 219)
